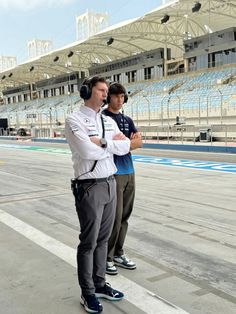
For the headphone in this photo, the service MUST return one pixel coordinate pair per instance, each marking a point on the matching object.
(115, 89)
(86, 89)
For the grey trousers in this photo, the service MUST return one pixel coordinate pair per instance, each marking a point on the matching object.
(96, 213)
(125, 186)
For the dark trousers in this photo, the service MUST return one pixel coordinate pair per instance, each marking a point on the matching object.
(125, 187)
(96, 213)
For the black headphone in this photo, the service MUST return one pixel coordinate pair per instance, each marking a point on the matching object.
(86, 89)
(115, 89)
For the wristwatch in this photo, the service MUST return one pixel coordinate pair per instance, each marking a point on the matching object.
(103, 142)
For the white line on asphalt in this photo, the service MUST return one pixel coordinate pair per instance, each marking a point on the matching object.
(142, 298)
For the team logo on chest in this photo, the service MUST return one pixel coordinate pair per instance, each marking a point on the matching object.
(86, 120)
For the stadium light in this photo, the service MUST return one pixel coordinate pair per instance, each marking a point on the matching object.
(165, 19)
(31, 69)
(70, 54)
(196, 7)
(110, 41)
(56, 59)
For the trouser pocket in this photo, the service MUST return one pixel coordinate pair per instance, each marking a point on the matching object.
(80, 189)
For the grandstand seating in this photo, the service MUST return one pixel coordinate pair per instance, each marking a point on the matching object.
(207, 90)
(189, 95)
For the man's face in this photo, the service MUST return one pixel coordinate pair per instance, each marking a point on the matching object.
(99, 93)
(116, 101)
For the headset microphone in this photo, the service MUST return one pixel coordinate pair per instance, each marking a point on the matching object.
(104, 102)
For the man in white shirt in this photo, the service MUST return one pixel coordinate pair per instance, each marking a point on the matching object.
(93, 140)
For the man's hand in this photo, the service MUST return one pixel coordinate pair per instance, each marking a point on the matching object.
(136, 140)
(135, 135)
(95, 140)
(119, 137)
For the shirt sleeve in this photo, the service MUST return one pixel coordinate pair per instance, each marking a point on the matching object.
(118, 147)
(80, 143)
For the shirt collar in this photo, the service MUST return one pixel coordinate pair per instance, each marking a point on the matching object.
(89, 112)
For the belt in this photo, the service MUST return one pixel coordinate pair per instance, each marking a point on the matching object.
(107, 179)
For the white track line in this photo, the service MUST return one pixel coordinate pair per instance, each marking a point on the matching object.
(134, 293)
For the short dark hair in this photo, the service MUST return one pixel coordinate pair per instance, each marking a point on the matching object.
(116, 89)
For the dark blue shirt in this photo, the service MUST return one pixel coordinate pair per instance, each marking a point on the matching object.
(124, 164)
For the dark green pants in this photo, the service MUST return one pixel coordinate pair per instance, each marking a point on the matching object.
(125, 187)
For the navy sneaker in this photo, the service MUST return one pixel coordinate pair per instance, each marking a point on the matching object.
(91, 303)
(107, 292)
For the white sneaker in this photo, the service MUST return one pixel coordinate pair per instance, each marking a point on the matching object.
(111, 269)
(124, 262)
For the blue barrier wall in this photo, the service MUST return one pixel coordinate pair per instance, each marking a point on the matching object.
(182, 147)
(193, 148)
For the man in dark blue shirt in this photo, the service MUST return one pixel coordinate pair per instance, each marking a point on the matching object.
(125, 180)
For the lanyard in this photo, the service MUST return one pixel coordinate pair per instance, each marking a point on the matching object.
(103, 127)
(103, 136)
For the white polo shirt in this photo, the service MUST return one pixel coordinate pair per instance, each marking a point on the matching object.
(79, 126)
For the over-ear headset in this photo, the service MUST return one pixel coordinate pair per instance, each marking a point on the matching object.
(86, 89)
(88, 84)
(115, 89)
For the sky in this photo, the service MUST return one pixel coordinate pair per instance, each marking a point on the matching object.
(24, 20)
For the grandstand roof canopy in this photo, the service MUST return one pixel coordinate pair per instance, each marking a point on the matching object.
(130, 37)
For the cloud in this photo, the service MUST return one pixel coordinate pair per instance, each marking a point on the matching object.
(29, 5)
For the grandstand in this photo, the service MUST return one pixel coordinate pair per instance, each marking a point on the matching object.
(178, 63)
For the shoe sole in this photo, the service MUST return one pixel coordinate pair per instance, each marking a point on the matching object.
(124, 266)
(104, 296)
(87, 309)
(111, 273)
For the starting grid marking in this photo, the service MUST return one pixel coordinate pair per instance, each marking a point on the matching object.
(184, 163)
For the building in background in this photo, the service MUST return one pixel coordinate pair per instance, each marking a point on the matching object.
(38, 47)
(7, 62)
(89, 24)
